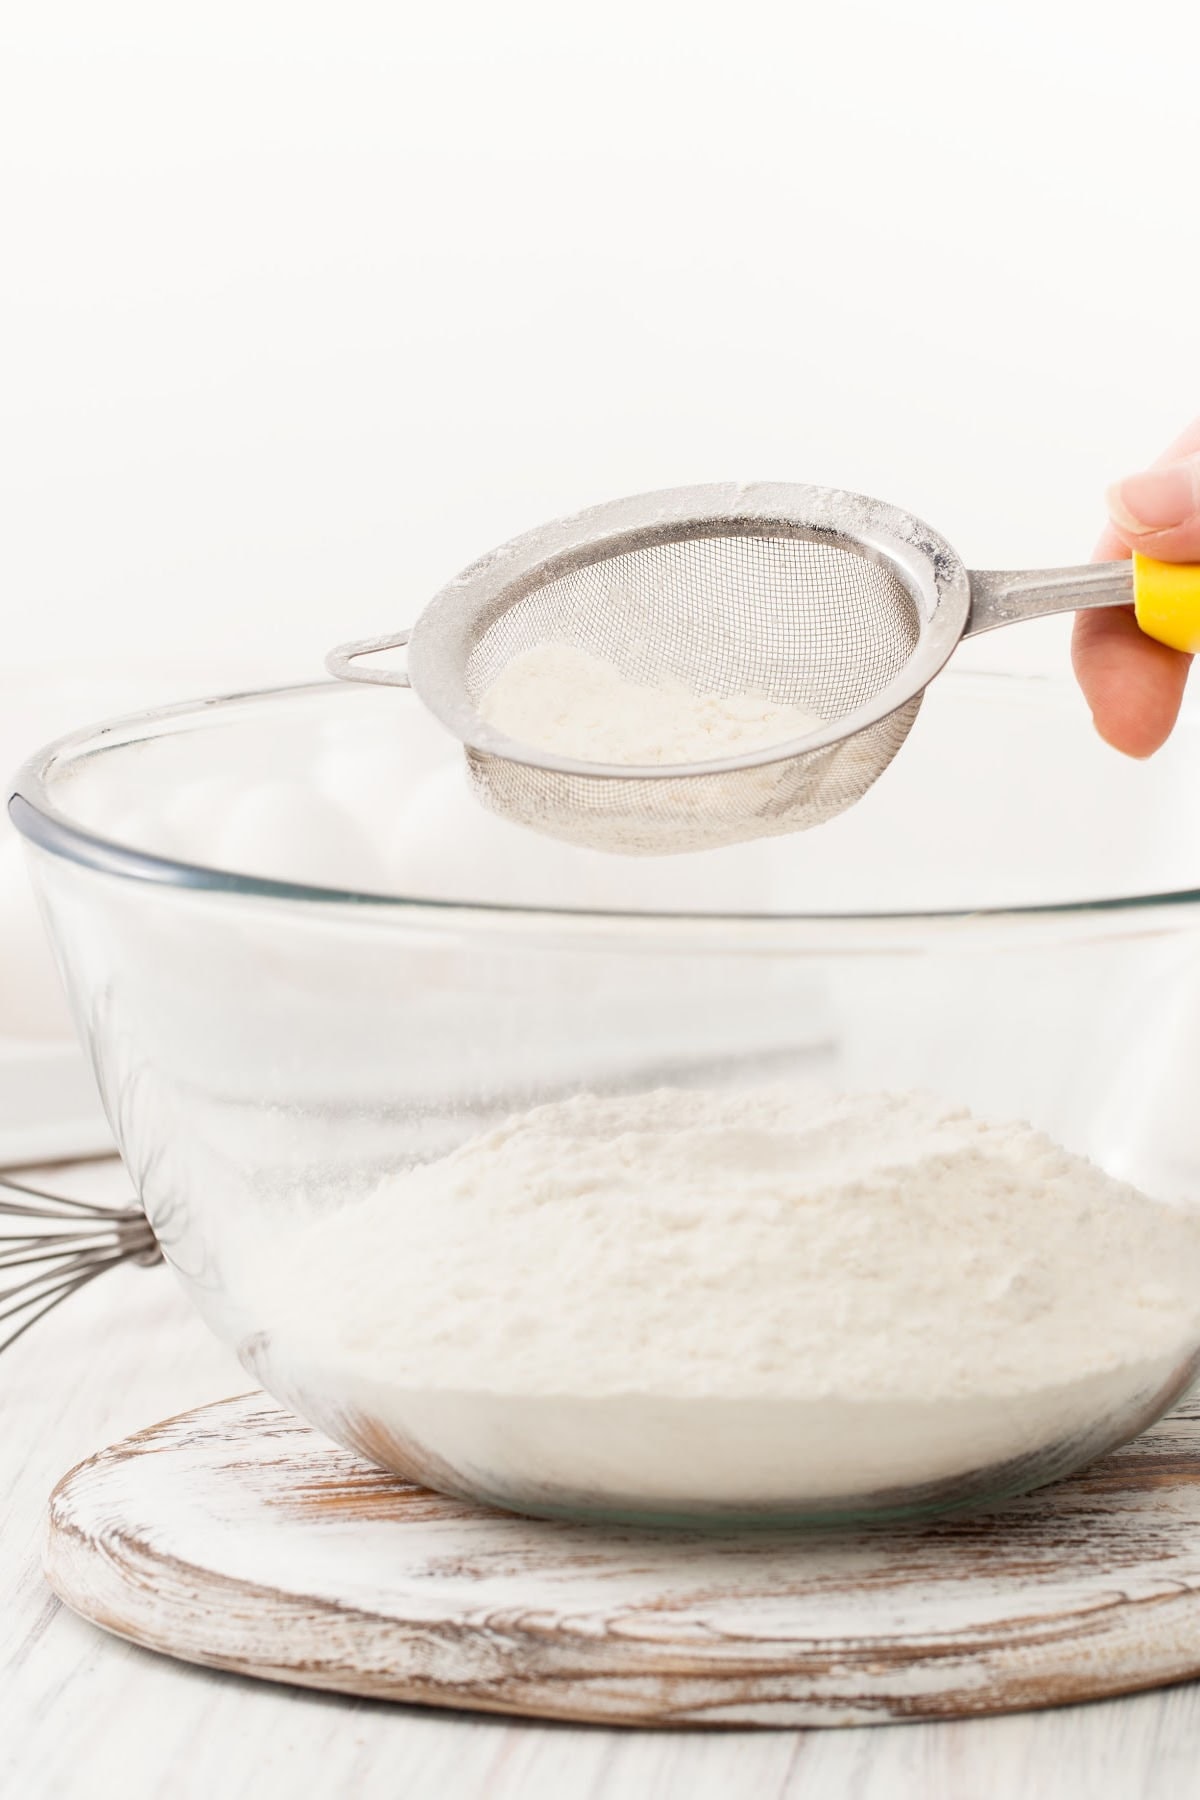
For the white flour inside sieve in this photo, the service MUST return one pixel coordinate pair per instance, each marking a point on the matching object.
(559, 698)
(733, 1298)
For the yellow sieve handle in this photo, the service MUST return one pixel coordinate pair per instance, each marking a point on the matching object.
(1166, 599)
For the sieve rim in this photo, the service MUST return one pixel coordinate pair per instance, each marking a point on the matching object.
(451, 624)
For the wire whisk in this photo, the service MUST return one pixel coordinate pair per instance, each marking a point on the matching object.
(63, 1244)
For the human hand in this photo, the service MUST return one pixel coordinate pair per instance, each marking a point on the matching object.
(1133, 684)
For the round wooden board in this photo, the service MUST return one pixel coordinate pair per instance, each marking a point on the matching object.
(237, 1537)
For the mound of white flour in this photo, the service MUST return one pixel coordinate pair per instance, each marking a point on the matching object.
(557, 697)
(736, 1292)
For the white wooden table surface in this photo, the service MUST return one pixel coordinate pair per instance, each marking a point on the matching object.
(83, 1716)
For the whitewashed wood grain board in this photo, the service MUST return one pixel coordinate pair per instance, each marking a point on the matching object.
(236, 1536)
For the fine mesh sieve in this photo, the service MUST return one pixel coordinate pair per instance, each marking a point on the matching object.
(821, 599)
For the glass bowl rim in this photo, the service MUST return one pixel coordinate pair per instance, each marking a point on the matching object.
(38, 819)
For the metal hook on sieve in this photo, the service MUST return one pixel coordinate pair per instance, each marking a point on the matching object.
(340, 662)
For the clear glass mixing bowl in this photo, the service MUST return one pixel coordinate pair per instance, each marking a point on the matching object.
(302, 959)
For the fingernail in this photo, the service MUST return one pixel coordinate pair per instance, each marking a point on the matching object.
(1157, 499)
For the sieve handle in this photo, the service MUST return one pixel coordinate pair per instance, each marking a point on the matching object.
(1006, 596)
(340, 662)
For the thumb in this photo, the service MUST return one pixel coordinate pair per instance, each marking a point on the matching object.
(1158, 512)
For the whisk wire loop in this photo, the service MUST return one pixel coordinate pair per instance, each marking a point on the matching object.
(65, 1243)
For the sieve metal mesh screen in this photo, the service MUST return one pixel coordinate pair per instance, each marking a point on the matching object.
(810, 621)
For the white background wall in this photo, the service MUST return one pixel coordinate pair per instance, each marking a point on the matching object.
(303, 305)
